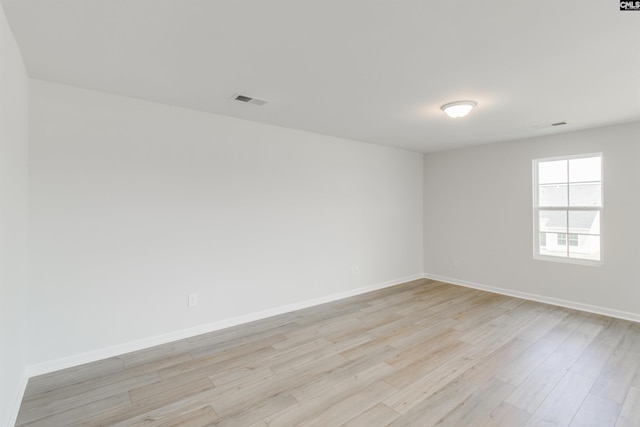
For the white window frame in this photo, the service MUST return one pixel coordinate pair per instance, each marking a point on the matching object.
(536, 208)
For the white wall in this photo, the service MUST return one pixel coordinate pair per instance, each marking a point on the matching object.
(14, 88)
(135, 205)
(478, 209)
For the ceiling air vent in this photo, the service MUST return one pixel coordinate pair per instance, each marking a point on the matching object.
(548, 125)
(249, 99)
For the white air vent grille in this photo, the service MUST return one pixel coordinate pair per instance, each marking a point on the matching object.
(249, 99)
(548, 125)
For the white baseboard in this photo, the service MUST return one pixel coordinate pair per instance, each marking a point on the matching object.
(106, 352)
(22, 386)
(634, 317)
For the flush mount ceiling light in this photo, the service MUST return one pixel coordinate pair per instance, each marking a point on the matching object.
(458, 109)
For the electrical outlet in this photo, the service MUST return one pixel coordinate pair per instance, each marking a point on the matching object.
(456, 263)
(355, 270)
(193, 300)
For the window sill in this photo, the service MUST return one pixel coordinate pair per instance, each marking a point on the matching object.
(566, 260)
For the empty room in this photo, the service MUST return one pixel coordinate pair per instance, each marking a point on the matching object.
(248, 213)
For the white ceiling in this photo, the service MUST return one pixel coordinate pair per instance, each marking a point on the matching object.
(370, 70)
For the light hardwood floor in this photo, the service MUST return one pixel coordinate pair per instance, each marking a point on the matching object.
(418, 354)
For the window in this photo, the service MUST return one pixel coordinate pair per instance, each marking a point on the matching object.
(568, 208)
(562, 239)
(573, 239)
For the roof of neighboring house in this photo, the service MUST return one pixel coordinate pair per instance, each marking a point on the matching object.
(558, 219)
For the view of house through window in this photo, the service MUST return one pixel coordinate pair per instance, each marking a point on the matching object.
(568, 208)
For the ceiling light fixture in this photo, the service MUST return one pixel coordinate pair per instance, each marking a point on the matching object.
(458, 109)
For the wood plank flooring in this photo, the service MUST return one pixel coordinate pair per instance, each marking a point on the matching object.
(423, 353)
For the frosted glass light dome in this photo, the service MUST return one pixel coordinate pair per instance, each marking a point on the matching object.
(458, 109)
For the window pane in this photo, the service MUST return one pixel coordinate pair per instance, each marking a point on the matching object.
(588, 194)
(552, 172)
(587, 169)
(554, 221)
(553, 245)
(584, 222)
(552, 195)
(588, 248)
